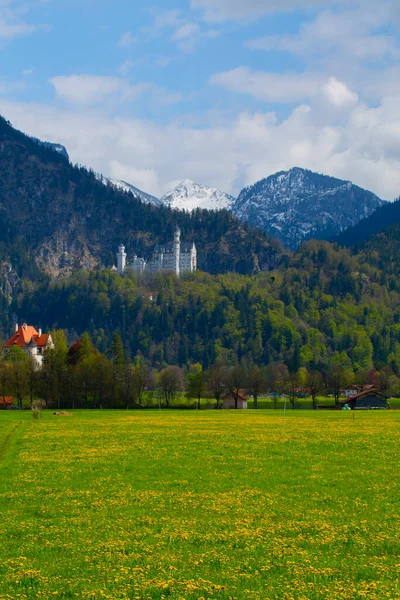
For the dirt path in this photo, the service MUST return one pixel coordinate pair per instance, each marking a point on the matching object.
(6, 441)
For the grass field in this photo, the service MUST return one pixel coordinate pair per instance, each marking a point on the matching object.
(173, 504)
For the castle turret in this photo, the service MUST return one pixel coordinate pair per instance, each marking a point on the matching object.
(121, 258)
(193, 258)
(177, 251)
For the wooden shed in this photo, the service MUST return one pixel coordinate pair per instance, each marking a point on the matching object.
(229, 401)
(371, 398)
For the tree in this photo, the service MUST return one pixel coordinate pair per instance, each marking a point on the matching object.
(277, 377)
(81, 350)
(235, 380)
(101, 373)
(170, 381)
(195, 383)
(54, 375)
(292, 384)
(315, 384)
(338, 379)
(384, 379)
(117, 350)
(142, 379)
(33, 378)
(256, 383)
(214, 380)
(5, 379)
(20, 368)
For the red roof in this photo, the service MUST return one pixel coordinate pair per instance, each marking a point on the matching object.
(25, 335)
(7, 400)
(240, 397)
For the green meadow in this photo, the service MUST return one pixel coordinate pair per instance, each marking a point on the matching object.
(200, 504)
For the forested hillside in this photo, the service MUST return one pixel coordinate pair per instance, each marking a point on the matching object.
(383, 217)
(66, 220)
(323, 306)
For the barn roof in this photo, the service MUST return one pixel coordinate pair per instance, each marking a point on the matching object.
(371, 391)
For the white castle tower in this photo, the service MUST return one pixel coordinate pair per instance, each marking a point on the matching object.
(121, 257)
(175, 257)
(177, 251)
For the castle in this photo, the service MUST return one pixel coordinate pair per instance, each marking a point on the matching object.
(173, 257)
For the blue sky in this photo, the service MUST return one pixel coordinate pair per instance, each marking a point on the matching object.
(221, 91)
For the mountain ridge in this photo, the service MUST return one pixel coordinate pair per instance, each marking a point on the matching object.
(298, 204)
(65, 219)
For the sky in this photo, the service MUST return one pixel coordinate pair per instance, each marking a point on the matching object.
(224, 92)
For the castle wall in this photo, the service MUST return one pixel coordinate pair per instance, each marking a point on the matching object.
(166, 258)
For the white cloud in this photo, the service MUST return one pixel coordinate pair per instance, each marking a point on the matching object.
(93, 89)
(333, 133)
(164, 19)
(220, 10)
(338, 94)
(185, 31)
(8, 85)
(11, 23)
(145, 179)
(127, 40)
(125, 67)
(269, 87)
(348, 35)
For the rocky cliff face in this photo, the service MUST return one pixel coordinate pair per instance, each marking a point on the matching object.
(298, 204)
(69, 220)
(9, 280)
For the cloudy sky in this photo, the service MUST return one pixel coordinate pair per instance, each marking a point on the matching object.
(224, 92)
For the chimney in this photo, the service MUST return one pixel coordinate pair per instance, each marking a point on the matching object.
(25, 326)
(40, 331)
(16, 327)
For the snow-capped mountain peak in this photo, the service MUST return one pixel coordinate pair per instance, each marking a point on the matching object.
(128, 187)
(189, 195)
(297, 204)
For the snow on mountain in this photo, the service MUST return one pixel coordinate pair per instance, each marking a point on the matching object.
(56, 147)
(128, 187)
(189, 195)
(298, 204)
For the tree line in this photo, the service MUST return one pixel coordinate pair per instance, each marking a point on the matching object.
(80, 376)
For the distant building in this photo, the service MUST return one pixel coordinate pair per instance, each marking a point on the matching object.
(229, 401)
(356, 389)
(370, 398)
(174, 257)
(33, 343)
(6, 402)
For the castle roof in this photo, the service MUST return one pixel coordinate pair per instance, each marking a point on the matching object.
(27, 335)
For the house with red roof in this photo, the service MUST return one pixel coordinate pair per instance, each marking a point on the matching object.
(6, 402)
(33, 343)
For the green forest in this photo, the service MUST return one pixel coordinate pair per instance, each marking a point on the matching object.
(324, 305)
(324, 308)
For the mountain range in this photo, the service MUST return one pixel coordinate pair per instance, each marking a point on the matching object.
(70, 218)
(59, 218)
(291, 206)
